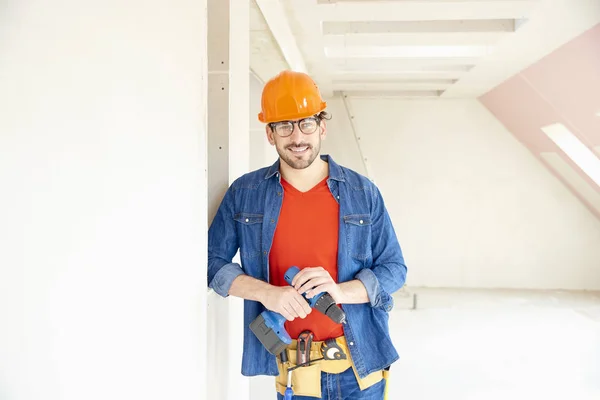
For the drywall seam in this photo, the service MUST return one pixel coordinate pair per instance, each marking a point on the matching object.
(356, 137)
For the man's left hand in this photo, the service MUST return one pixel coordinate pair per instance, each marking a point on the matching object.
(315, 280)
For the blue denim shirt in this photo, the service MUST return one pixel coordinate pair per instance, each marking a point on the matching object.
(368, 250)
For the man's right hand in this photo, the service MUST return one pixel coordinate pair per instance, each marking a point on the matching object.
(286, 301)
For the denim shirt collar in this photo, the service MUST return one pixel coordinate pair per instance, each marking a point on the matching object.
(335, 171)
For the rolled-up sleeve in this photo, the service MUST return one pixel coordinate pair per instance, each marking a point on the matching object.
(377, 297)
(222, 247)
(225, 276)
(388, 271)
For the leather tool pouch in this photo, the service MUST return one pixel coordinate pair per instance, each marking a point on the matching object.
(306, 381)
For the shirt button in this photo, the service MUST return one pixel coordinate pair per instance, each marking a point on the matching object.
(278, 193)
(338, 197)
(360, 222)
(272, 221)
(247, 220)
(351, 343)
(265, 252)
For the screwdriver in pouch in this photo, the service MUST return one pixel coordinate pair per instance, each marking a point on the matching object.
(284, 362)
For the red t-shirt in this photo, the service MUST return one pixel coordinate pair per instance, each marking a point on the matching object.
(307, 236)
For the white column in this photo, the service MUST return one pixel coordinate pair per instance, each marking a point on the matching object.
(239, 163)
(228, 144)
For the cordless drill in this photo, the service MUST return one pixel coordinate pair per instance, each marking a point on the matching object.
(269, 325)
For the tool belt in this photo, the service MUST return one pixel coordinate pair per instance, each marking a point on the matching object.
(306, 380)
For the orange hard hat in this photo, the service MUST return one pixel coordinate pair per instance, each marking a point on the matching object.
(290, 95)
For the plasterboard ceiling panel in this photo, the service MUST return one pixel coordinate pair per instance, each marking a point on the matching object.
(266, 59)
(278, 20)
(257, 21)
(581, 186)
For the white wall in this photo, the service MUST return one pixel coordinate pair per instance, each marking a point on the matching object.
(262, 154)
(103, 200)
(341, 141)
(471, 206)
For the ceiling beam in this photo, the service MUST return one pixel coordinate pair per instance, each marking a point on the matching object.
(427, 26)
(408, 94)
(413, 39)
(391, 86)
(404, 1)
(399, 81)
(278, 23)
(425, 10)
(407, 51)
(402, 64)
(395, 75)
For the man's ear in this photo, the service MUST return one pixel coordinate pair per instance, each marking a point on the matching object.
(270, 134)
(323, 129)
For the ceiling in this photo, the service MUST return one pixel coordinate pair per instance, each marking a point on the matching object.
(414, 49)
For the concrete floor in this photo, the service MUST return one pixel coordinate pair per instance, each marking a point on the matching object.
(497, 344)
(491, 344)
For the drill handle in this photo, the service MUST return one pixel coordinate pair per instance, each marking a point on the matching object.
(289, 277)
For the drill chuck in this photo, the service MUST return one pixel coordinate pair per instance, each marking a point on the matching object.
(327, 306)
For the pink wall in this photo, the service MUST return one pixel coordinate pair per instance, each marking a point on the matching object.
(563, 87)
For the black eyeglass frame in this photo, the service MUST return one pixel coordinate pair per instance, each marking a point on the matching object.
(273, 125)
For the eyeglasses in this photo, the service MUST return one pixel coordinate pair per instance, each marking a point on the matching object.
(286, 128)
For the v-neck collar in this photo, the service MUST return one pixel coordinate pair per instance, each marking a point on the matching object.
(292, 189)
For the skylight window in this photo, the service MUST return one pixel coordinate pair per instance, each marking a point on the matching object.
(577, 151)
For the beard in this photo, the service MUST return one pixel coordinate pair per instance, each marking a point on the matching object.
(300, 161)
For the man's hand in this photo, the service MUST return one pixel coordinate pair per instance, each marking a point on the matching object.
(315, 280)
(286, 301)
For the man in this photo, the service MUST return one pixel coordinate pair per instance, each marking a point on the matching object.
(307, 211)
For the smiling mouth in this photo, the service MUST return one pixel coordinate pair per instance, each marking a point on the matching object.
(298, 149)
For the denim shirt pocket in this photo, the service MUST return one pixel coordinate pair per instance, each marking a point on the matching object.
(249, 228)
(358, 235)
